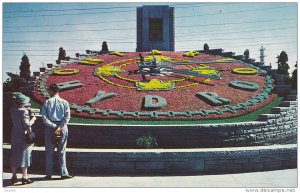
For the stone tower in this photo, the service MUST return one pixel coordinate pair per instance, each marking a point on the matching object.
(155, 28)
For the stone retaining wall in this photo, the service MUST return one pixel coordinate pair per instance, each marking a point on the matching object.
(171, 161)
(280, 127)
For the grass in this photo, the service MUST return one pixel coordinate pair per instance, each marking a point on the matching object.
(245, 118)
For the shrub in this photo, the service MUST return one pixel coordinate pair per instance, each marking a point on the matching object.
(147, 141)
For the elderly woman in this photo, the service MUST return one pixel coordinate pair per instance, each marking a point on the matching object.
(20, 151)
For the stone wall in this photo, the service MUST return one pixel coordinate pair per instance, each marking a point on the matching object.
(280, 127)
(171, 161)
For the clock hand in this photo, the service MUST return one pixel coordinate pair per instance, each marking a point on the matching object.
(187, 72)
(162, 64)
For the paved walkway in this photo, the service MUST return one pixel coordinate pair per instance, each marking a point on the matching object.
(278, 178)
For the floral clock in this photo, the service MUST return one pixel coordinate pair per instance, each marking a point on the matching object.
(161, 85)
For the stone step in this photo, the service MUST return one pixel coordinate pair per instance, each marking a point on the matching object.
(168, 161)
(265, 117)
(283, 89)
(291, 98)
(293, 92)
(288, 103)
(278, 110)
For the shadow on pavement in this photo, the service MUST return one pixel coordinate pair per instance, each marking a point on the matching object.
(6, 182)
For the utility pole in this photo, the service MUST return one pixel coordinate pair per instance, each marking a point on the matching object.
(262, 55)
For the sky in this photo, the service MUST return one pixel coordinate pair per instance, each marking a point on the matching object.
(39, 29)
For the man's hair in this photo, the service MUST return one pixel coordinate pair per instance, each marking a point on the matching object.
(54, 88)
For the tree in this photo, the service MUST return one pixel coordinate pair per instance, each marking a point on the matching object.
(104, 47)
(246, 54)
(25, 68)
(294, 77)
(206, 47)
(283, 67)
(62, 54)
(13, 83)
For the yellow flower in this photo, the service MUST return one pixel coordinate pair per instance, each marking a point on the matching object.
(225, 60)
(203, 69)
(116, 53)
(70, 71)
(191, 54)
(245, 71)
(158, 58)
(108, 70)
(206, 81)
(91, 61)
(155, 85)
(156, 52)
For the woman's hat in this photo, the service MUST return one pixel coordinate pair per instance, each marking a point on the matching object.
(21, 98)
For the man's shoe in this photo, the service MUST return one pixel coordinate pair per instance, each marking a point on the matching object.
(66, 177)
(26, 181)
(48, 177)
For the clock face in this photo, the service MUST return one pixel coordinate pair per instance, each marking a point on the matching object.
(120, 86)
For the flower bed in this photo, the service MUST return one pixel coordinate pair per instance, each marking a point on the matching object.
(66, 72)
(182, 98)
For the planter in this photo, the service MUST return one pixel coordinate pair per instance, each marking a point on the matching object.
(57, 61)
(49, 65)
(36, 73)
(42, 69)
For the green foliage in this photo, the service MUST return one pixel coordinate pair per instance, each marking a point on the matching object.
(62, 54)
(246, 54)
(150, 105)
(212, 98)
(205, 47)
(244, 85)
(104, 47)
(13, 83)
(147, 141)
(283, 66)
(294, 78)
(244, 118)
(25, 68)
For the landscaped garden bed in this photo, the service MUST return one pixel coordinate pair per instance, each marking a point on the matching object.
(117, 74)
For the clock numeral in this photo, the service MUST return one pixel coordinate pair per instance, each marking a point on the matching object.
(154, 102)
(63, 86)
(212, 98)
(100, 96)
(244, 85)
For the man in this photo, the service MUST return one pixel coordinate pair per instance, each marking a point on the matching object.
(56, 115)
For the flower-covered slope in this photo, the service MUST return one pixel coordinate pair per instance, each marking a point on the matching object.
(181, 98)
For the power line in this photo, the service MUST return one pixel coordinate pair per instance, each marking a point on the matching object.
(230, 12)
(56, 50)
(86, 30)
(257, 30)
(68, 14)
(249, 45)
(107, 8)
(98, 42)
(242, 22)
(88, 23)
(277, 37)
(70, 24)
(65, 14)
(203, 32)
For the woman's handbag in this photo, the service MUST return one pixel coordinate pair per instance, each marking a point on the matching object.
(30, 137)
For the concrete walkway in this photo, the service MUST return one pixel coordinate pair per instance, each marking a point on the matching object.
(278, 178)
